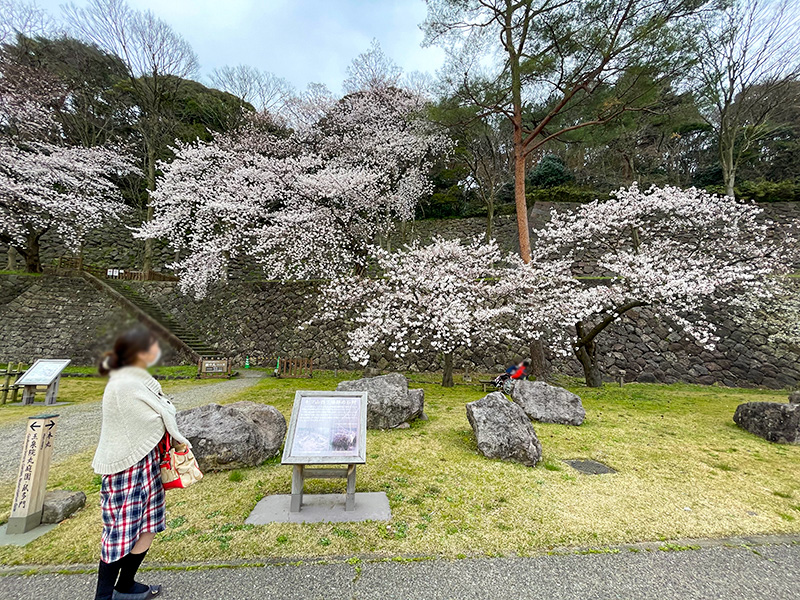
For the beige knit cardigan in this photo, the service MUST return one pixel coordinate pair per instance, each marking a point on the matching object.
(135, 414)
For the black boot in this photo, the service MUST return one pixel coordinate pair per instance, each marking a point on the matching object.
(129, 589)
(106, 579)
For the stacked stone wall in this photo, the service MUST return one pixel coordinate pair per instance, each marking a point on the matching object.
(59, 317)
(115, 247)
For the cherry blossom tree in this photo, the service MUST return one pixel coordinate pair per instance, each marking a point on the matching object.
(302, 204)
(676, 251)
(442, 296)
(447, 296)
(45, 185)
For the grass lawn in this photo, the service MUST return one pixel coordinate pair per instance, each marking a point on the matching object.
(685, 470)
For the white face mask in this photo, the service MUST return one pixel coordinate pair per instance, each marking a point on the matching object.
(156, 359)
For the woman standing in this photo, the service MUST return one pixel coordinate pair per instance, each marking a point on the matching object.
(135, 416)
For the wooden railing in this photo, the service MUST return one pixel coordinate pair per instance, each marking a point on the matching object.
(294, 368)
(77, 264)
(6, 385)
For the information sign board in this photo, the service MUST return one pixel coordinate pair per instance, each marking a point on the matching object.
(327, 428)
(44, 371)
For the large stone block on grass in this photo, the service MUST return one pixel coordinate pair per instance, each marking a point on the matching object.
(389, 401)
(269, 420)
(503, 430)
(225, 437)
(61, 504)
(548, 403)
(773, 421)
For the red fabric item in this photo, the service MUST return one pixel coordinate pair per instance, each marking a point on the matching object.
(518, 373)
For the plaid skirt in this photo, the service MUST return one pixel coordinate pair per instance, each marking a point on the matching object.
(132, 502)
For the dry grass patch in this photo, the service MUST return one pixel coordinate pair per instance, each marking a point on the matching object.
(669, 444)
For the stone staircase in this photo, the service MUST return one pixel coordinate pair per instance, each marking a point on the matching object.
(152, 314)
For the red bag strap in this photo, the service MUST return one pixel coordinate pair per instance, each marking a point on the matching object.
(165, 444)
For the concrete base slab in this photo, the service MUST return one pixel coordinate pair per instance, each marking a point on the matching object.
(23, 539)
(321, 508)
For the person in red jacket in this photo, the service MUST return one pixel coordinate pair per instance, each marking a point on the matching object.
(514, 372)
(519, 371)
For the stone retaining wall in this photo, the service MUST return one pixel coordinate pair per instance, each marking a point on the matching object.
(59, 317)
(115, 247)
(52, 316)
(261, 320)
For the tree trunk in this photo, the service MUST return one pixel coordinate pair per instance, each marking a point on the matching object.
(447, 373)
(730, 180)
(147, 263)
(726, 159)
(519, 147)
(489, 220)
(33, 263)
(519, 188)
(586, 354)
(540, 368)
(12, 258)
(591, 371)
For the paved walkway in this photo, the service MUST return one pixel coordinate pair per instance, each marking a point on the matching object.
(719, 572)
(79, 424)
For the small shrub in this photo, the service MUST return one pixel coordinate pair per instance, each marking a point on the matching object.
(564, 193)
(723, 466)
(235, 476)
(176, 522)
(551, 465)
(549, 172)
(343, 533)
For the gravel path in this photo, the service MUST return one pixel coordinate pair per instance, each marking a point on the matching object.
(79, 424)
(732, 573)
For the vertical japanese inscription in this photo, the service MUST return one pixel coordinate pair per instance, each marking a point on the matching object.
(37, 450)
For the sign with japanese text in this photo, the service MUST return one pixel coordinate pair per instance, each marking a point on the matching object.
(26, 508)
(43, 371)
(327, 428)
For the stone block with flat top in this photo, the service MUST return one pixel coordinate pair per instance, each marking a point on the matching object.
(390, 402)
(548, 403)
(61, 504)
(773, 421)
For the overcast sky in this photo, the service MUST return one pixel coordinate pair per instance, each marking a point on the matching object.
(300, 40)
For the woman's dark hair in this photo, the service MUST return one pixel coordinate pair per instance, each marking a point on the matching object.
(127, 346)
(527, 362)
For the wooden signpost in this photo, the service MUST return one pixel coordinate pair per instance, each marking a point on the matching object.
(326, 429)
(213, 367)
(44, 372)
(26, 509)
